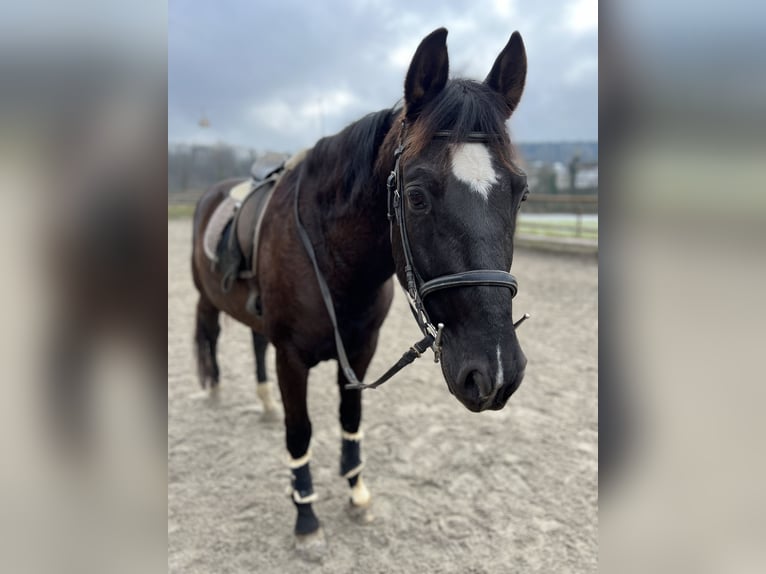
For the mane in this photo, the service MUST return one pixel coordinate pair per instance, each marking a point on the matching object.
(463, 106)
(346, 160)
(345, 164)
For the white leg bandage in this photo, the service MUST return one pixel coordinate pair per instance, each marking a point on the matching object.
(355, 436)
(302, 487)
(354, 471)
(299, 462)
(304, 499)
(351, 463)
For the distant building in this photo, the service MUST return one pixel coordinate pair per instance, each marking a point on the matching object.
(587, 176)
(552, 152)
(544, 177)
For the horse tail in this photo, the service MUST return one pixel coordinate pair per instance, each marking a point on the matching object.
(206, 341)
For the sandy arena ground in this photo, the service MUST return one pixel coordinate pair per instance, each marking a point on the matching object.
(453, 491)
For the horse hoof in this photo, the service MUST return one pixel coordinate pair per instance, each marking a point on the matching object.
(361, 515)
(311, 547)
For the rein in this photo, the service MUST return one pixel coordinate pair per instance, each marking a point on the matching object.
(353, 383)
(417, 289)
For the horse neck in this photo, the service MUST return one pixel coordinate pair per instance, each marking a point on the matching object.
(355, 230)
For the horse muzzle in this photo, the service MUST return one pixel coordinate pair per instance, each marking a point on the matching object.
(484, 384)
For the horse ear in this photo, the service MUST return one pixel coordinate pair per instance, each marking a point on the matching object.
(428, 72)
(509, 72)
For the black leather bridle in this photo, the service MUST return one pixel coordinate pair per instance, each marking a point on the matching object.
(417, 289)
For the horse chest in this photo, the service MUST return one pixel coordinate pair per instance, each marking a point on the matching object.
(359, 318)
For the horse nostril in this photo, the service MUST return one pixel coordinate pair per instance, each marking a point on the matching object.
(478, 382)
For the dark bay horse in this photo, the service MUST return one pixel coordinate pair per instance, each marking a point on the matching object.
(460, 194)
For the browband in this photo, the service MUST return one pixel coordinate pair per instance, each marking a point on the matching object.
(470, 137)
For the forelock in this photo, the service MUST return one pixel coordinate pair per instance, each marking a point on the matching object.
(463, 106)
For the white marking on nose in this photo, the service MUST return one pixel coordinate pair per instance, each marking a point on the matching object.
(499, 381)
(472, 164)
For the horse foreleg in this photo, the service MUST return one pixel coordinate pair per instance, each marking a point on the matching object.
(264, 389)
(292, 375)
(351, 463)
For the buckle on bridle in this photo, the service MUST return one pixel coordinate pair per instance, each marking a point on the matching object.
(391, 181)
(412, 287)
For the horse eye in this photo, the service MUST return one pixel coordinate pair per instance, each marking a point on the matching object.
(524, 195)
(416, 200)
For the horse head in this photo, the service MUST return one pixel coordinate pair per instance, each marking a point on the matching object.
(459, 192)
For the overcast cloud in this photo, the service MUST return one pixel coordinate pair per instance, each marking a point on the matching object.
(277, 75)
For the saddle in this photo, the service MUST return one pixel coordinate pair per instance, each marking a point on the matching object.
(227, 255)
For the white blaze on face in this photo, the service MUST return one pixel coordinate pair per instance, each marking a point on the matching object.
(472, 164)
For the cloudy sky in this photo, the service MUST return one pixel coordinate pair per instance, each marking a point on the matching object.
(277, 75)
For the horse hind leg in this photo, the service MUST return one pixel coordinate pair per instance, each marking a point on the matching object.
(260, 343)
(264, 389)
(206, 342)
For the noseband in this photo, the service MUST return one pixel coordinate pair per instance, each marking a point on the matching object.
(417, 289)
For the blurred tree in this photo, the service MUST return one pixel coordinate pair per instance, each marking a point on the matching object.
(197, 167)
(574, 165)
(546, 179)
